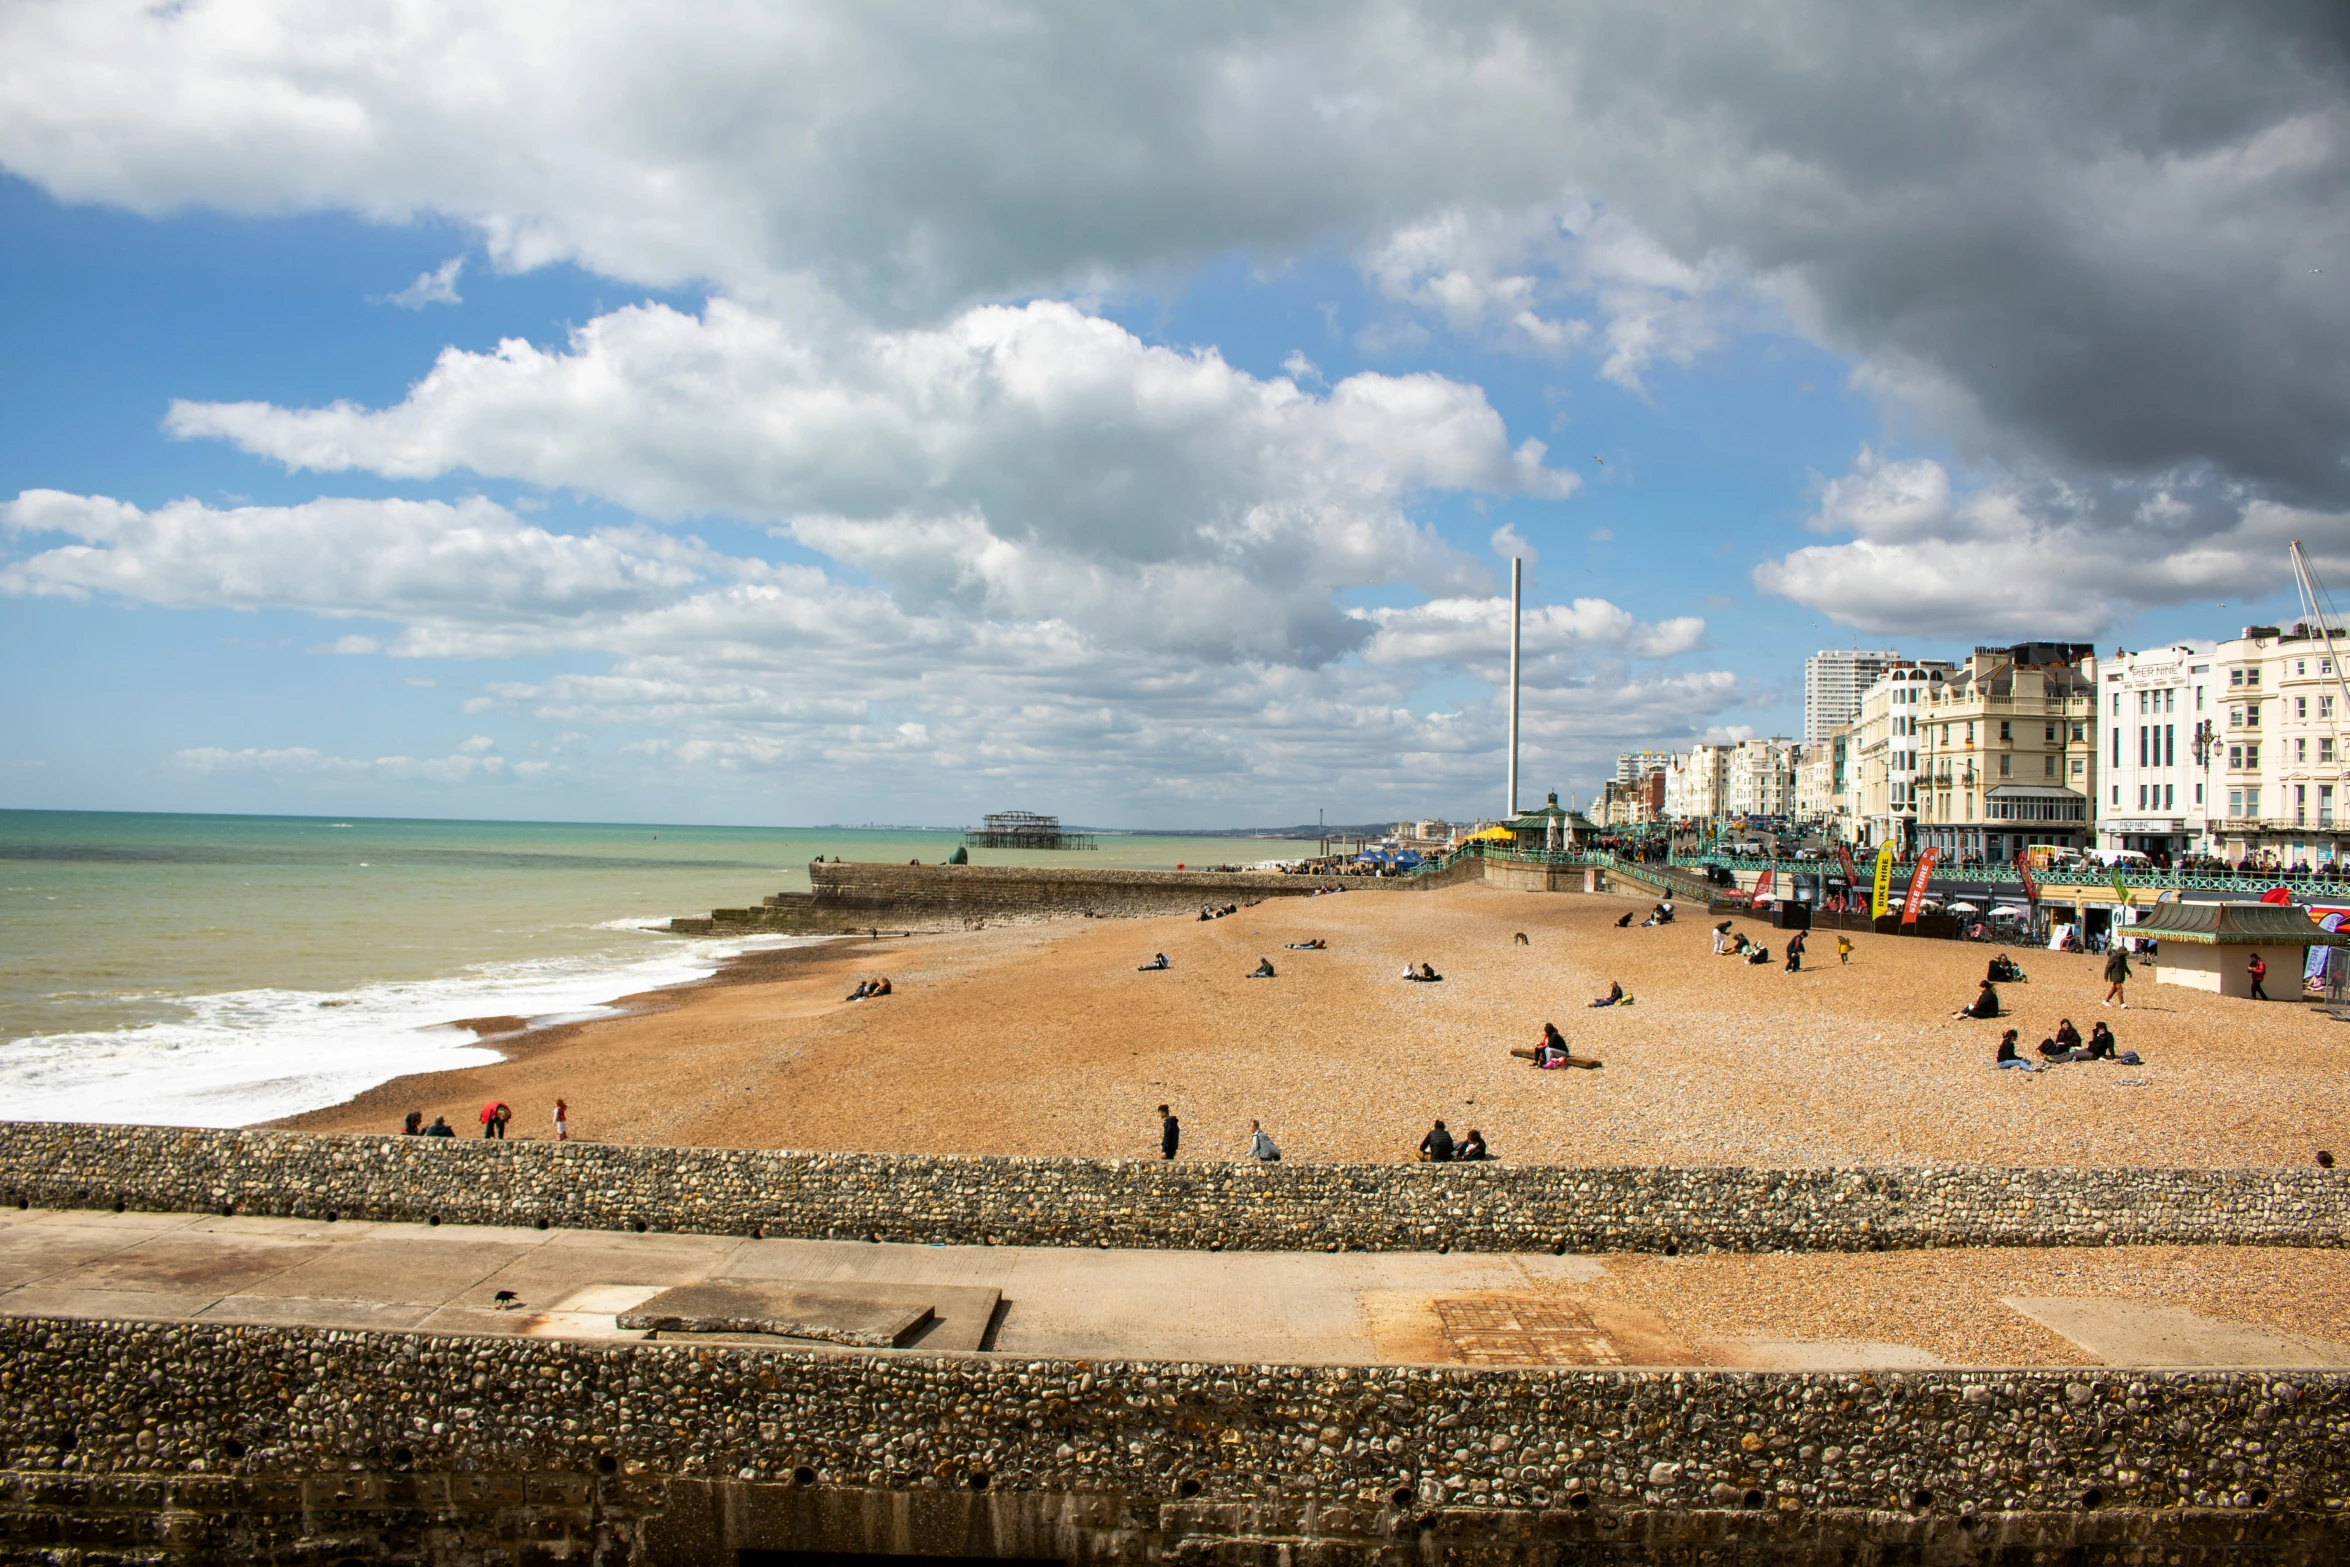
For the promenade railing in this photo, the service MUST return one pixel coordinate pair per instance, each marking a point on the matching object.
(2317, 884)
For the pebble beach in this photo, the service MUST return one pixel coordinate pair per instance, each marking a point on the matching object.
(1045, 1040)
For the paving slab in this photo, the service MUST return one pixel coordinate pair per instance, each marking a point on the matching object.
(397, 1269)
(1833, 1354)
(310, 1311)
(832, 1314)
(41, 1300)
(2123, 1332)
(179, 1260)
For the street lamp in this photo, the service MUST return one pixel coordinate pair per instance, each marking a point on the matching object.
(2205, 743)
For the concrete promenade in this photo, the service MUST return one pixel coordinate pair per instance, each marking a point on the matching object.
(1269, 1308)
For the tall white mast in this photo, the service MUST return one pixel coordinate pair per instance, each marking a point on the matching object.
(2320, 612)
(1517, 595)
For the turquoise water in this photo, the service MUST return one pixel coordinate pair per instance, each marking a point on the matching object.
(218, 970)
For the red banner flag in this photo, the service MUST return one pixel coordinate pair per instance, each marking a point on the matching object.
(1917, 886)
(2023, 870)
(1851, 876)
(1762, 886)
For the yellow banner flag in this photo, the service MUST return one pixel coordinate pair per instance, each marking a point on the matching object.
(1881, 902)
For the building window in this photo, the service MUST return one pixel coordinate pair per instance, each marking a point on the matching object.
(2325, 707)
(2199, 794)
(2252, 802)
(2117, 704)
(2325, 748)
(2198, 699)
(2251, 756)
(2300, 804)
(2169, 796)
(2117, 794)
(2006, 731)
(2235, 802)
(2252, 678)
(2235, 677)
(2080, 731)
(2252, 715)
(2078, 766)
(2170, 745)
(2300, 707)
(2117, 746)
(2048, 767)
(2325, 805)
(2170, 700)
(2142, 745)
(2142, 703)
(2300, 749)
(2235, 756)
(2006, 766)
(2141, 797)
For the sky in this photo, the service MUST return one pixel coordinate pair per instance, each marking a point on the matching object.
(839, 412)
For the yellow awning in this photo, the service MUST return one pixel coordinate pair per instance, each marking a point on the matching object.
(1497, 833)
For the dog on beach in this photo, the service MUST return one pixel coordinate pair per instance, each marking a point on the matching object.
(1522, 941)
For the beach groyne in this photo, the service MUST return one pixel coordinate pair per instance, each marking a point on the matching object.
(126, 1441)
(1152, 1204)
(854, 896)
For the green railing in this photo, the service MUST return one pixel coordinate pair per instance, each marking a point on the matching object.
(2137, 881)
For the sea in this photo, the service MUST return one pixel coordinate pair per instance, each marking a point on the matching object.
(222, 970)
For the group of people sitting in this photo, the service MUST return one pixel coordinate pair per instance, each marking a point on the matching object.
(867, 989)
(1211, 911)
(1550, 1052)
(1438, 1147)
(1422, 975)
(1730, 943)
(2003, 971)
(2065, 1044)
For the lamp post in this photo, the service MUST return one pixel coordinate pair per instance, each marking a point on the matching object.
(2205, 743)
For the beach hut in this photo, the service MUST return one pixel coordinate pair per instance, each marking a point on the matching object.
(1551, 828)
(2210, 945)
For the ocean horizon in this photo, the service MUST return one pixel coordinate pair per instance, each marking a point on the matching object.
(206, 969)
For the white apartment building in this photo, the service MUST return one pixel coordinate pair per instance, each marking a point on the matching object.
(2154, 788)
(2276, 706)
(1697, 783)
(1819, 780)
(2006, 752)
(1759, 778)
(1632, 766)
(1881, 750)
(1834, 680)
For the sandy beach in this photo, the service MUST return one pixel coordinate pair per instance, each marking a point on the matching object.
(1044, 1039)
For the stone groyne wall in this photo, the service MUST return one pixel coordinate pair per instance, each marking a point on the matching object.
(858, 896)
(1148, 1203)
(212, 1442)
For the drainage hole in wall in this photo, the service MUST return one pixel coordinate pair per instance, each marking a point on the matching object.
(402, 1455)
(1607, 1520)
(1921, 1497)
(233, 1447)
(332, 1216)
(432, 1219)
(640, 1226)
(606, 1464)
(1558, 1248)
(1753, 1499)
(977, 1480)
(68, 1442)
(118, 1205)
(1580, 1500)
(1672, 1249)
(2260, 1496)
(803, 1475)
(227, 1209)
(1189, 1488)
(2092, 1499)
(1401, 1496)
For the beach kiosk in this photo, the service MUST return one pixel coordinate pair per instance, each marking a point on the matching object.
(1551, 829)
(2210, 945)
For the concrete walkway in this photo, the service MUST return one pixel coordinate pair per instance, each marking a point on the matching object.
(1295, 1308)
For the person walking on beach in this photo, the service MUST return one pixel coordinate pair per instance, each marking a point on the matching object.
(1795, 952)
(1170, 1133)
(562, 1122)
(2257, 967)
(2117, 975)
(1260, 1147)
(1844, 949)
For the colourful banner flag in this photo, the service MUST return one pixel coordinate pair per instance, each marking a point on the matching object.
(1881, 896)
(1917, 886)
(1851, 876)
(1762, 885)
(2023, 870)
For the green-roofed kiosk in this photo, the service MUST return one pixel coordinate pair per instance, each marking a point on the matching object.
(2210, 945)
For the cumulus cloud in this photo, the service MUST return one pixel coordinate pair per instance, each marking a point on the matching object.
(1019, 463)
(388, 558)
(1929, 554)
(437, 287)
(2089, 231)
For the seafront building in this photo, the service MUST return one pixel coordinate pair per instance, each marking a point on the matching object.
(1833, 682)
(2007, 752)
(2155, 786)
(1882, 743)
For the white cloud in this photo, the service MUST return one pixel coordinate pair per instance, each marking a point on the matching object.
(437, 287)
(388, 558)
(2041, 559)
(303, 762)
(1020, 463)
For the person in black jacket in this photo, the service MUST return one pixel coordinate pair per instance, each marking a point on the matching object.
(1170, 1133)
(1436, 1147)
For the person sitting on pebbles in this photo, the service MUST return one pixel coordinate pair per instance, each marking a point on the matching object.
(1423, 975)
(2007, 1056)
(1985, 1004)
(1154, 965)
(1615, 996)
(1550, 1052)
(1264, 970)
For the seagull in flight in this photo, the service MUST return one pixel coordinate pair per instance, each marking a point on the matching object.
(1602, 461)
